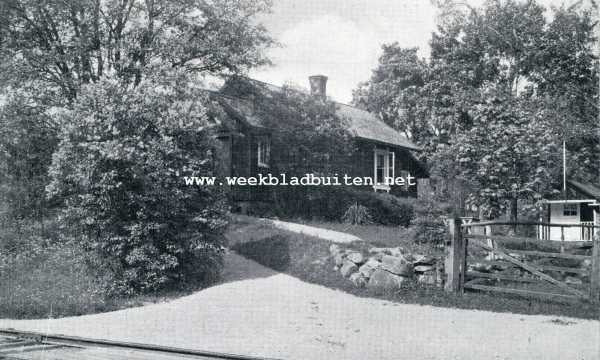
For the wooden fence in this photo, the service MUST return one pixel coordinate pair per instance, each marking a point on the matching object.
(476, 259)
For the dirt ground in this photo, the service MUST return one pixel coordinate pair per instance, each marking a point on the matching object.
(264, 313)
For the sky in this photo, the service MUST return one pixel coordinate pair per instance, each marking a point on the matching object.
(342, 38)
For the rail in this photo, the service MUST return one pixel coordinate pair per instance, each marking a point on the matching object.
(30, 342)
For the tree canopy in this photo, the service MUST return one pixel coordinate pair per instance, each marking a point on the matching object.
(504, 85)
(101, 106)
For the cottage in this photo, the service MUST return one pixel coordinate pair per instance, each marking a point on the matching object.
(581, 206)
(382, 152)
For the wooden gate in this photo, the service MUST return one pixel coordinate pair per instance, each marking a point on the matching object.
(476, 259)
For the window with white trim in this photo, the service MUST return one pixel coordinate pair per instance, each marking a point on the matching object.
(264, 151)
(383, 168)
(569, 209)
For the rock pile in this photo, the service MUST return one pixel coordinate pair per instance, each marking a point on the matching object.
(384, 268)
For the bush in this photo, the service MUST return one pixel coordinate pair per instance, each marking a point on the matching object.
(357, 215)
(119, 169)
(330, 203)
(429, 225)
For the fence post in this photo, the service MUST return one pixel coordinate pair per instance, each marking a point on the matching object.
(491, 243)
(455, 257)
(595, 276)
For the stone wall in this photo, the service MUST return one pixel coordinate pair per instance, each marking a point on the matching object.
(386, 268)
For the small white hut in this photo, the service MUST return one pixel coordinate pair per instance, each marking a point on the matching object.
(581, 207)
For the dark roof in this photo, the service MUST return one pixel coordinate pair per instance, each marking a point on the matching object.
(362, 124)
(586, 189)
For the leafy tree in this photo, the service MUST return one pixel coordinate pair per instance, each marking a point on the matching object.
(55, 46)
(117, 79)
(496, 74)
(118, 168)
(27, 133)
(307, 137)
(394, 91)
(506, 154)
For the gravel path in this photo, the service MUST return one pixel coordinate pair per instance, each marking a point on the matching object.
(331, 235)
(260, 312)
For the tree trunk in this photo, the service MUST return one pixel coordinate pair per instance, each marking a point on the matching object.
(513, 213)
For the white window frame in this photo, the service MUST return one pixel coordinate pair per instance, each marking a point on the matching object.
(263, 146)
(388, 169)
(573, 207)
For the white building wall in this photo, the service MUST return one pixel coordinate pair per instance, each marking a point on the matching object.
(557, 216)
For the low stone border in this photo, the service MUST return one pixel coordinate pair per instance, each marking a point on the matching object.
(385, 268)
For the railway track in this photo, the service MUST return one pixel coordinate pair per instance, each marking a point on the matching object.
(23, 345)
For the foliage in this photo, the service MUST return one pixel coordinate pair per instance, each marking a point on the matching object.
(104, 91)
(428, 224)
(357, 215)
(54, 47)
(394, 91)
(503, 87)
(505, 155)
(27, 140)
(307, 137)
(331, 203)
(121, 154)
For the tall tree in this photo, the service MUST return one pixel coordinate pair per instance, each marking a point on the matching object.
(394, 90)
(116, 82)
(56, 46)
(506, 55)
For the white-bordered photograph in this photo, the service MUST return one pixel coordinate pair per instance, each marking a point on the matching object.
(299, 179)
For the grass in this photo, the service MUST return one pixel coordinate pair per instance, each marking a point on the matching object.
(56, 283)
(382, 236)
(307, 258)
(41, 277)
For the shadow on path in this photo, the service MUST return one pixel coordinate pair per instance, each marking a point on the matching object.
(238, 268)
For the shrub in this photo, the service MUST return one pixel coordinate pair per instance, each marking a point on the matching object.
(119, 168)
(330, 203)
(384, 209)
(429, 225)
(357, 215)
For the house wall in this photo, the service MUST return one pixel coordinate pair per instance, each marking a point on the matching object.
(557, 216)
(364, 160)
(244, 162)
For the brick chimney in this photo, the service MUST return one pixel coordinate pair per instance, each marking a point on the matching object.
(318, 85)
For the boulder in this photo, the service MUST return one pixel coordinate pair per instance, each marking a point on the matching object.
(423, 260)
(381, 279)
(424, 268)
(396, 265)
(378, 256)
(369, 267)
(395, 251)
(358, 280)
(355, 257)
(427, 279)
(348, 268)
(338, 259)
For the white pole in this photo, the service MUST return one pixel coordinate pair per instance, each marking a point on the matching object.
(564, 169)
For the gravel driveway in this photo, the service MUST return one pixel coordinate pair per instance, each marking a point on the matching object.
(260, 312)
